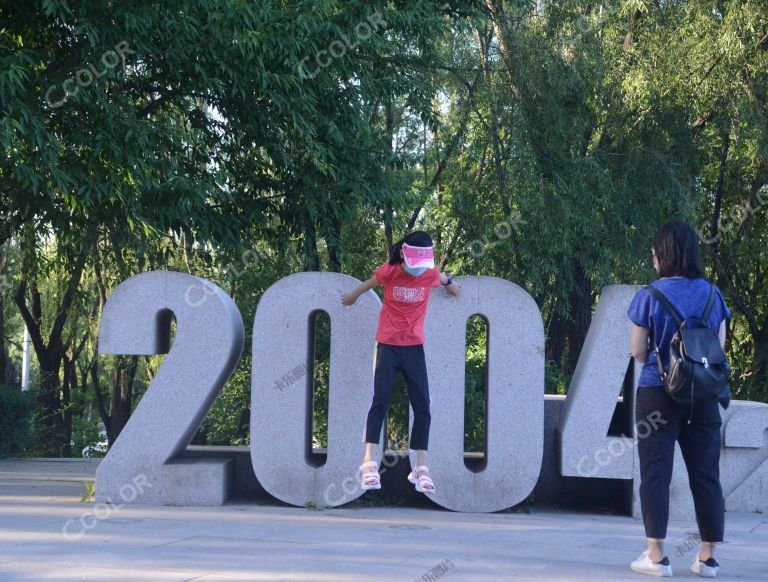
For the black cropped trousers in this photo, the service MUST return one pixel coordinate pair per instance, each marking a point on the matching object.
(660, 423)
(409, 361)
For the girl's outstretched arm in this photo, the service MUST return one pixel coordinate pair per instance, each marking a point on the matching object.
(351, 297)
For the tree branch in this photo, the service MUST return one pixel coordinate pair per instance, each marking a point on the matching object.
(33, 326)
(454, 141)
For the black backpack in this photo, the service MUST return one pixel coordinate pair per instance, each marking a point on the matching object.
(698, 367)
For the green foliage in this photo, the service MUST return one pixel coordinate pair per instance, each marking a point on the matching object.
(16, 429)
(320, 380)
(556, 381)
(475, 384)
(90, 492)
(541, 143)
(396, 429)
(86, 437)
(223, 425)
(312, 506)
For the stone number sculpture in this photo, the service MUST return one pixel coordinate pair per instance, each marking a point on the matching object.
(208, 343)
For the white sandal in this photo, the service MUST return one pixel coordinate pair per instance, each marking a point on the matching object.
(423, 483)
(370, 479)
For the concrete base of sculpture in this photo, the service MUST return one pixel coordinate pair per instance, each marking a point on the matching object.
(552, 489)
(183, 481)
(744, 474)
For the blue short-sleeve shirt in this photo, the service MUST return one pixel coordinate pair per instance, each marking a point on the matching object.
(689, 296)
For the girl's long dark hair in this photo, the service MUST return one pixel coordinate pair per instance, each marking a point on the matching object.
(418, 238)
(677, 249)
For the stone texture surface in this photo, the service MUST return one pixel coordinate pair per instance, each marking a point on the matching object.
(751, 494)
(551, 489)
(281, 409)
(743, 475)
(249, 542)
(149, 464)
(745, 458)
(746, 425)
(143, 466)
(515, 418)
(585, 449)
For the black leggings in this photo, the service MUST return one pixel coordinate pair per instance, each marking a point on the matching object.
(660, 422)
(410, 361)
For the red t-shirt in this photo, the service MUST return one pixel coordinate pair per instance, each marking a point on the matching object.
(401, 322)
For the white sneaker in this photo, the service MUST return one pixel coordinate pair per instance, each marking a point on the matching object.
(644, 565)
(705, 569)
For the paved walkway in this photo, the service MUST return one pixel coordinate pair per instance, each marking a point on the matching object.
(42, 538)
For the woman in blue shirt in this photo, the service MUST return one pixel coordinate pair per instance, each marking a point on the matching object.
(676, 258)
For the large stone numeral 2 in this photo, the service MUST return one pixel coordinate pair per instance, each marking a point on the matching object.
(143, 465)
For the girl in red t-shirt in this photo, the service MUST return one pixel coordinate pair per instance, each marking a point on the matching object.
(407, 278)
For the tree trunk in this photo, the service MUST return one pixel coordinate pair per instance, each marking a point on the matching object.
(388, 212)
(715, 227)
(580, 304)
(52, 440)
(759, 379)
(311, 256)
(555, 339)
(66, 406)
(122, 394)
(334, 245)
(50, 424)
(93, 370)
(3, 353)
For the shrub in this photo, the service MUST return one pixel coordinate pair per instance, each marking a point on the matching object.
(16, 414)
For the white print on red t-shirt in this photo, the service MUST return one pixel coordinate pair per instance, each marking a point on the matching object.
(408, 294)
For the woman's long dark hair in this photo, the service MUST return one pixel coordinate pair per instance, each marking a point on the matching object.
(418, 238)
(677, 249)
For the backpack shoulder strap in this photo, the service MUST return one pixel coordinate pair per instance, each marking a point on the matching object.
(666, 304)
(708, 308)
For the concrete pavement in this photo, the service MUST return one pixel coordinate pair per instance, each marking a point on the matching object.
(47, 534)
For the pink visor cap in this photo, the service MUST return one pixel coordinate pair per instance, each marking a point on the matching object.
(418, 256)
